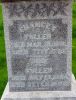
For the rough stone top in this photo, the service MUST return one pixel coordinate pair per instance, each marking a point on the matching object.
(27, 0)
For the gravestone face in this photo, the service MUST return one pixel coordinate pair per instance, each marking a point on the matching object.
(38, 44)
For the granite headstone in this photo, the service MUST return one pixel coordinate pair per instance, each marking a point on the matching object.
(38, 38)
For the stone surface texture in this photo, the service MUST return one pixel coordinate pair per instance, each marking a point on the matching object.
(44, 95)
(38, 44)
(38, 37)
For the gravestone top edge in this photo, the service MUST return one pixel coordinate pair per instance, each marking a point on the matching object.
(7, 1)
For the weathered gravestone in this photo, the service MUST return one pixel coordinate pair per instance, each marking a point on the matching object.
(38, 47)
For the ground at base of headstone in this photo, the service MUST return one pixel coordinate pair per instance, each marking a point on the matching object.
(43, 95)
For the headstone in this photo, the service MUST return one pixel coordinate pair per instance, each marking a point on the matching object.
(38, 47)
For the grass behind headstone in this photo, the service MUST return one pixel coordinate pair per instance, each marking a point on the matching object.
(3, 68)
(74, 39)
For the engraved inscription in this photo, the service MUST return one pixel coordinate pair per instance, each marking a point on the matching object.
(39, 54)
(38, 9)
(53, 29)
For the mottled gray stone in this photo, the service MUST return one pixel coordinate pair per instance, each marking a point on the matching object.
(38, 45)
(44, 95)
